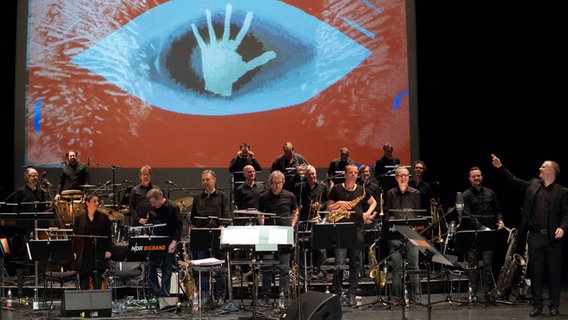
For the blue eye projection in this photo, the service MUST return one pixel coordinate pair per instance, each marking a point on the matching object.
(224, 58)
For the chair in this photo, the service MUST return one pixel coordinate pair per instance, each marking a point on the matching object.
(60, 272)
(123, 272)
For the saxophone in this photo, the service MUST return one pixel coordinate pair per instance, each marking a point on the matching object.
(509, 269)
(336, 215)
(376, 273)
(188, 280)
(293, 280)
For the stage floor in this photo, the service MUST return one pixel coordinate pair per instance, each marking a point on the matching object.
(441, 309)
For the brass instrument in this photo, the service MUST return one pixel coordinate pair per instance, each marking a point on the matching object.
(381, 204)
(250, 277)
(436, 217)
(509, 269)
(188, 280)
(313, 216)
(524, 282)
(293, 280)
(336, 215)
(376, 273)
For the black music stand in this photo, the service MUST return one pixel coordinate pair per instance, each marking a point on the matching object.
(50, 250)
(468, 240)
(334, 235)
(428, 250)
(147, 248)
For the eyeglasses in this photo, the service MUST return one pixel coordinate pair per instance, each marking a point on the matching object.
(402, 175)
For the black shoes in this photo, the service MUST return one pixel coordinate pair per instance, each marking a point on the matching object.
(537, 310)
(553, 311)
(351, 302)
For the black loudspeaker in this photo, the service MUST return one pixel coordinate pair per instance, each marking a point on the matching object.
(86, 303)
(313, 305)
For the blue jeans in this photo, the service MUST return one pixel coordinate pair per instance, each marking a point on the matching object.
(166, 265)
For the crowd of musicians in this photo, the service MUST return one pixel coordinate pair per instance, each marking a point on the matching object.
(293, 196)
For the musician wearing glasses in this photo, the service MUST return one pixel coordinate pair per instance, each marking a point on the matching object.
(400, 203)
(283, 204)
(481, 211)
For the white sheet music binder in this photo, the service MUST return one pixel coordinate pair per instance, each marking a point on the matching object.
(264, 238)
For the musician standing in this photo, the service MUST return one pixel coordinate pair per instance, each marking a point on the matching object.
(348, 196)
(400, 203)
(92, 254)
(283, 204)
(248, 193)
(74, 174)
(244, 157)
(481, 211)
(545, 217)
(337, 165)
(164, 211)
(30, 192)
(208, 206)
(312, 197)
(289, 164)
(138, 204)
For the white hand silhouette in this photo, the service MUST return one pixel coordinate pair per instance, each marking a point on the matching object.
(222, 65)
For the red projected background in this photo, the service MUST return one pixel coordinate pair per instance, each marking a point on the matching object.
(129, 83)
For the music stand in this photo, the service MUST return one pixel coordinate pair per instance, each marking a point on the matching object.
(468, 240)
(147, 248)
(390, 231)
(50, 250)
(428, 250)
(334, 235)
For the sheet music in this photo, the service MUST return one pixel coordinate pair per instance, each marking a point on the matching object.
(207, 262)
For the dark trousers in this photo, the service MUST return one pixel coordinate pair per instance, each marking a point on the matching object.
(544, 259)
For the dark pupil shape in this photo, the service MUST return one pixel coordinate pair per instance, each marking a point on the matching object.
(178, 64)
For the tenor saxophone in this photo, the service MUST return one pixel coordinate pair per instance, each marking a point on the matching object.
(376, 273)
(339, 214)
(188, 280)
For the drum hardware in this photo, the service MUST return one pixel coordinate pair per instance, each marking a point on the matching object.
(184, 204)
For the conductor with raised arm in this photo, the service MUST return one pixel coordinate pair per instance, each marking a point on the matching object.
(545, 218)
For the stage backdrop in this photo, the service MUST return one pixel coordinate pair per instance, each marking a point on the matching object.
(180, 84)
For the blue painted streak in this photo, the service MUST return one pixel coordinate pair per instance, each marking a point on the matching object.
(358, 27)
(37, 115)
(397, 99)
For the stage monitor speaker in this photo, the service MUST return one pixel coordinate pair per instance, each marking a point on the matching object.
(167, 303)
(86, 303)
(313, 305)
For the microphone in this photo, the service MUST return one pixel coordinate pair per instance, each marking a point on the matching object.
(169, 182)
(127, 181)
(459, 202)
